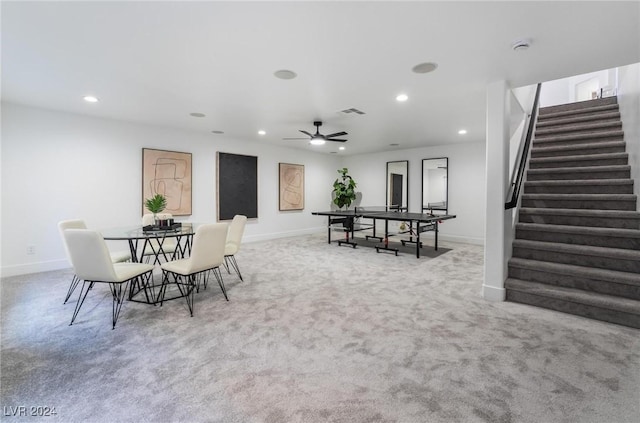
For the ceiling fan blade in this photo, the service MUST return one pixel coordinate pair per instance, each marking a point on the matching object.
(329, 139)
(337, 134)
(305, 132)
(295, 138)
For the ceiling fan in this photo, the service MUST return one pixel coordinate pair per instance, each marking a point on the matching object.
(318, 138)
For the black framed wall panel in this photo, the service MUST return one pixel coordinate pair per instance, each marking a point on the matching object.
(237, 185)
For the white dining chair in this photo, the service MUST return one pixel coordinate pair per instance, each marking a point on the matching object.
(157, 248)
(234, 240)
(116, 256)
(92, 264)
(207, 254)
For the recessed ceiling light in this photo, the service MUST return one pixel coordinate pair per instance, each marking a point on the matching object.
(218, 132)
(402, 97)
(425, 67)
(195, 114)
(90, 99)
(341, 148)
(285, 74)
(395, 144)
(462, 131)
(261, 132)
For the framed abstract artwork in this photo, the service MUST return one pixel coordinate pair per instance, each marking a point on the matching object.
(168, 173)
(291, 187)
(237, 188)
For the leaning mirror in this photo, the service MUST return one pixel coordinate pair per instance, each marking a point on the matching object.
(435, 187)
(398, 185)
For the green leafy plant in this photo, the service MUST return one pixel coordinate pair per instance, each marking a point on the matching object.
(156, 204)
(344, 189)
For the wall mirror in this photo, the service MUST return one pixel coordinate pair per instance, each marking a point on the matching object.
(435, 187)
(398, 185)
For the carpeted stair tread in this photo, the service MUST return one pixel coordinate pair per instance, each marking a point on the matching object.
(577, 182)
(616, 232)
(540, 151)
(548, 113)
(579, 186)
(581, 197)
(578, 296)
(580, 217)
(613, 214)
(574, 137)
(584, 250)
(605, 116)
(580, 157)
(585, 127)
(582, 169)
(615, 276)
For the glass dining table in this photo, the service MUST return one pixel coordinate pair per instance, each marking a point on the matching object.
(150, 243)
(142, 242)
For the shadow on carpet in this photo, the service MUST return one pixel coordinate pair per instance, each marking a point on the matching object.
(426, 252)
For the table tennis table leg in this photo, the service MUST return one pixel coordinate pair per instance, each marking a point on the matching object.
(329, 229)
(418, 240)
(435, 229)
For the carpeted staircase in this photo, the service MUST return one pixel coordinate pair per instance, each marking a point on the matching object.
(577, 246)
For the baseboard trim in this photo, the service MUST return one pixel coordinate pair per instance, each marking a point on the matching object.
(37, 267)
(286, 234)
(493, 293)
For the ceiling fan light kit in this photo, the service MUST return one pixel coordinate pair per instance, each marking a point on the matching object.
(320, 139)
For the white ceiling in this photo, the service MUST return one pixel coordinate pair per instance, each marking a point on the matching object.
(156, 62)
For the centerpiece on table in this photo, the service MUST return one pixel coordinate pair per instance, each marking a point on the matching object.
(155, 205)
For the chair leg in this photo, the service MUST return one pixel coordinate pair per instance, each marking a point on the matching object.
(72, 287)
(218, 274)
(81, 298)
(189, 295)
(234, 264)
(118, 293)
(163, 287)
(226, 264)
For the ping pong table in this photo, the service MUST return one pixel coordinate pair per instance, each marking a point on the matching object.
(417, 224)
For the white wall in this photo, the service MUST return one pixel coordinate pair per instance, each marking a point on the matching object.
(59, 166)
(629, 101)
(563, 91)
(466, 184)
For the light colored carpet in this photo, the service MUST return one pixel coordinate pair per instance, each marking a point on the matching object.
(316, 333)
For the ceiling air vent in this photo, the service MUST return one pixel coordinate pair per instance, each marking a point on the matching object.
(351, 111)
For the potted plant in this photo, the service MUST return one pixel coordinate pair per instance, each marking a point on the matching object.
(155, 205)
(344, 189)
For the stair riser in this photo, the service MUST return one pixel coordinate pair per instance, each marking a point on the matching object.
(579, 239)
(597, 313)
(564, 176)
(593, 150)
(579, 189)
(581, 106)
(553, 142)
(577, 282)
(601, 222)
(585, 128)
(577, 120)
(610, 263)
(581, 204)
(533, 164)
